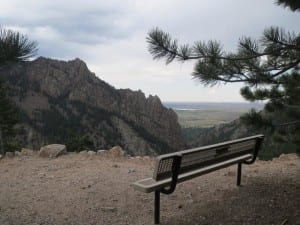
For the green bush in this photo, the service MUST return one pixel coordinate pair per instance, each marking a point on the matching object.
(76, 143)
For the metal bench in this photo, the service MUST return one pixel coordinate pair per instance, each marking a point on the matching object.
(177, 167)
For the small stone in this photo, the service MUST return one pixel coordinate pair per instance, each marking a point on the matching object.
(115, 166)
(190, 201)
(9, 154)
(1, 156)
(109, 209)
(130, 170)
(179, 206)
(230, 174)
(41, 175)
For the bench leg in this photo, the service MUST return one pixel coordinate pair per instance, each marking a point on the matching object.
(156, 207)
(239, 174)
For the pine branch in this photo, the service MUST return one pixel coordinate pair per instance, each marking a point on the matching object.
(15, 47)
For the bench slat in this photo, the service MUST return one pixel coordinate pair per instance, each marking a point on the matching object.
(149, 185)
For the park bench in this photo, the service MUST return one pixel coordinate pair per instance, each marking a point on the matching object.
(177, 167)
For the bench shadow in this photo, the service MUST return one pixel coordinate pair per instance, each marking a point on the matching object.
(259, 201)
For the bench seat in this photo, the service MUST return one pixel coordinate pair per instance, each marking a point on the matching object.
(149, 184)
(184, 165)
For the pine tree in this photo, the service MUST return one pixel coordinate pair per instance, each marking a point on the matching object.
(294, 5)
(268, 67)
(8, 118)
(14, 47)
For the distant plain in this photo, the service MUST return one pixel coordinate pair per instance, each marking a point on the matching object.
(208, 114)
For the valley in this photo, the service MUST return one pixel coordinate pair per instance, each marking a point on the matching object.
(209, 114)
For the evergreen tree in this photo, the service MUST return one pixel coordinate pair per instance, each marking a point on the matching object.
(294, 5)
(8, 118)
(268, 67)
(14, 47)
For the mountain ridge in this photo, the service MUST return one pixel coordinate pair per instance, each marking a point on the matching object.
(57, 97)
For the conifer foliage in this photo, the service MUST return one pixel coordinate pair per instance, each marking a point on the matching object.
(268, 67)
(14, 47)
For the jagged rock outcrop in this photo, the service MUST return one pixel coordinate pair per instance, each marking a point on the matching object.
(60, 100)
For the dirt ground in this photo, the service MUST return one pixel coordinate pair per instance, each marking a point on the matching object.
(86, 190)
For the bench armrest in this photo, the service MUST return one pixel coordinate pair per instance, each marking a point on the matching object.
(175, 171)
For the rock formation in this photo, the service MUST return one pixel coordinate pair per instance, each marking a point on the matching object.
(52, 151)
(62, 101)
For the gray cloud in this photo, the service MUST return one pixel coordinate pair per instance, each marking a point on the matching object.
(110, 35)
(79, 24)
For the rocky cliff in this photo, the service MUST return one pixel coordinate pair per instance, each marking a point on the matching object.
(62, 101)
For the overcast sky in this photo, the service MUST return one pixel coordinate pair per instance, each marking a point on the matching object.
(109, 35)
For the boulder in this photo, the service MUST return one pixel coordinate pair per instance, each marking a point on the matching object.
(52, 151)
(9, 154)
(83, 152)
(17, 153)
(102, 152)
(91, 153)
(287, 157)
(27, 152)
(116, 151)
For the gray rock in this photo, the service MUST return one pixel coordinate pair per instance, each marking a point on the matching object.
(17, 153)
(1, 156)
(52, 151)
(9, 154)
(84, 152)
(100, 152)
(116, 152)
(27, 152)
(91, 153)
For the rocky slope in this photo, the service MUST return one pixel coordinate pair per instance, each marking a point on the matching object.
(222, 132)
(62, 101)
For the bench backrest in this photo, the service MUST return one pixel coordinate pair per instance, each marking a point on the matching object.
(196, 158)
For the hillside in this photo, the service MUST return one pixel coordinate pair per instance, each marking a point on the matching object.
(77, 189)
(63, 102)
(271, 148)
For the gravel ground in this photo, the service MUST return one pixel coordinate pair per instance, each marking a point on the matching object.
(78, 189)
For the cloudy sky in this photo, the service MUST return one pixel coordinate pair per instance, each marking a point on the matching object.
(109, 35)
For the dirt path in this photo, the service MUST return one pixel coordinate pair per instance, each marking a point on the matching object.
(77, 189)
